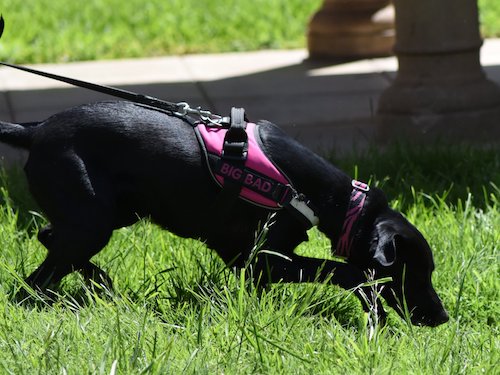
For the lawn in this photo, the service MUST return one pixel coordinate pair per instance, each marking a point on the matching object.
(47, 30)
(176, 309)
(490, 17)
(59, 31)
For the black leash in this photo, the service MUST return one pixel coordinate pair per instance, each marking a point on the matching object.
(235, 142)
(113, 91)
(179, 109)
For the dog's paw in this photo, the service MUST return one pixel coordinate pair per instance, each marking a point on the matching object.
(26, 296)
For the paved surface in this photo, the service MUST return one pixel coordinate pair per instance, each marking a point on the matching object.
(324, 105)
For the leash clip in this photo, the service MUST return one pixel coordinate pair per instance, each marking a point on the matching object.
(183, 109)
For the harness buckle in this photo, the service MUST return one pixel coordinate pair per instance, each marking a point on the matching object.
(234, 151)
(360, 186)
(302, 208)
(236, 140)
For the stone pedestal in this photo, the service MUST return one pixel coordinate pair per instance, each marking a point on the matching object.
(351, 28)
(440, 91)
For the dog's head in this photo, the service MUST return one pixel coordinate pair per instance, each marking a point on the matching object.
(399, 251)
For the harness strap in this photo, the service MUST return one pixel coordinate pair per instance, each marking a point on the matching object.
(303, 210)
(235, 146)
(253, 180)
(234, 153)
(238, 164)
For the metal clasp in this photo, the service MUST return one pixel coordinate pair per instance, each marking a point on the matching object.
(183, 109)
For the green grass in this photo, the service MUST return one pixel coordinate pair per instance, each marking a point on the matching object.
(176, 309)
(489, 17)
(59, 31)
(47, 30)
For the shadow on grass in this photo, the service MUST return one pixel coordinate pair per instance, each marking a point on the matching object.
(451, 172)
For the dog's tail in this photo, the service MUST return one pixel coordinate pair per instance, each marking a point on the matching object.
(17, 135)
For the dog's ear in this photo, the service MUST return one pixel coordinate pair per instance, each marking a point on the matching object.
(383, 248)
(2, 24)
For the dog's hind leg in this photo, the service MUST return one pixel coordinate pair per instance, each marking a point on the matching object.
(92, 272)
(81, 212)
(70, 247)
(89, 271)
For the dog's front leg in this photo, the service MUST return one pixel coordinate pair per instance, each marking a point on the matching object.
(282, 264)
(273, 267)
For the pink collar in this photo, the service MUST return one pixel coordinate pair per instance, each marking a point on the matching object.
(356, 204)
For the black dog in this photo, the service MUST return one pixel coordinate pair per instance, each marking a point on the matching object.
(98, 167)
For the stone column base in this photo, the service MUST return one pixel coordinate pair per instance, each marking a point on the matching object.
(351, 28)
(468, 127)
(443, 96)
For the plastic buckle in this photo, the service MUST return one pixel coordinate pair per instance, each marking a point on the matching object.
(360, 186)
(234, 151)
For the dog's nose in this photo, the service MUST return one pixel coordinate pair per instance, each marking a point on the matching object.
(431, 320)
(442, 317)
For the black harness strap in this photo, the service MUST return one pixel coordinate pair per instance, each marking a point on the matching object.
(234, 151)
(236, 140)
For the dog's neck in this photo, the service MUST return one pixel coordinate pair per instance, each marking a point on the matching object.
(375, 204)
(352, 219)
(334, 216)
(328, 188)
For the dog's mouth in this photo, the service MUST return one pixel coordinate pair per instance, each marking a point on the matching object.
(432, 320)
(431, 316)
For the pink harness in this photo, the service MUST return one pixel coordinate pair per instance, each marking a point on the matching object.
(241, 168)
(261, 180)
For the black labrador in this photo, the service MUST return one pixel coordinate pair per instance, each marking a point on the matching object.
(101, 166)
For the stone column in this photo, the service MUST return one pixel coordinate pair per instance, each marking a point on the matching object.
(351, 28)
(440, 90)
